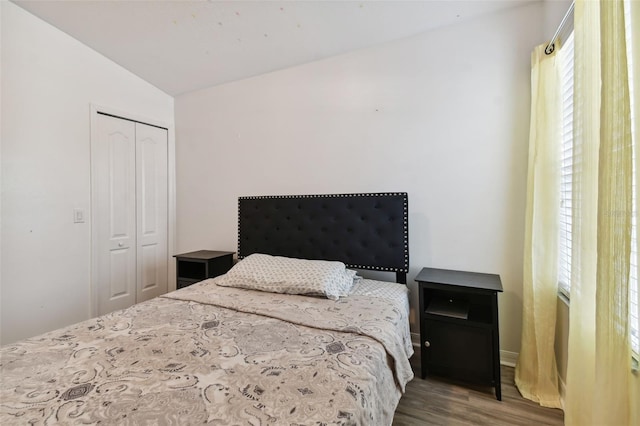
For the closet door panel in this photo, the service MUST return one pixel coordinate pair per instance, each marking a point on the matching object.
(115, 170)
(152, 208)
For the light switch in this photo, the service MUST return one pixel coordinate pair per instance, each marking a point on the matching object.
(78, 215)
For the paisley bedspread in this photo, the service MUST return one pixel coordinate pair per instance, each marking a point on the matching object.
(210, 354)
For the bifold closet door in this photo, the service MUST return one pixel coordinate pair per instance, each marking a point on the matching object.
(130, 171)
(152, 211)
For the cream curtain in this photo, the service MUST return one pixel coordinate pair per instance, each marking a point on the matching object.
(600, 384)
(634, 50)
(536, 373)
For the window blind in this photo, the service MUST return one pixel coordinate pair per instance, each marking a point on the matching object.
(565, 62)
(633, 284)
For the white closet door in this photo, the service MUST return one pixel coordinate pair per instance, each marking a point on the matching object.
(114, 169)
(152, 210)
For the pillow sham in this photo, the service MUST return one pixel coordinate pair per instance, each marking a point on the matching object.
(278, 274)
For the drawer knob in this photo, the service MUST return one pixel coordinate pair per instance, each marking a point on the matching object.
(426, 344)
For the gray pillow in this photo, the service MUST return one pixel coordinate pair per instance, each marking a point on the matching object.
(278, 274)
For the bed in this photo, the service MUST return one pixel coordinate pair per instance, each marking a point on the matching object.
(224, 354)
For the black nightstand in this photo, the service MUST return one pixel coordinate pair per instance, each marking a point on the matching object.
(459, 326)
(200, 265)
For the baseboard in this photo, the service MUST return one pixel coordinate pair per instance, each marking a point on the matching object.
(506, 357)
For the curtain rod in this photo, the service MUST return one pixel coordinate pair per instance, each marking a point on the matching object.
(552, 44)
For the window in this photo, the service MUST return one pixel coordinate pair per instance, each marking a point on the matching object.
(566, 62)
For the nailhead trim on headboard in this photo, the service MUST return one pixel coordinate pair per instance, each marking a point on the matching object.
(392, 261)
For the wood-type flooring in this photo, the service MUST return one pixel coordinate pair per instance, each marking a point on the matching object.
(438, 401)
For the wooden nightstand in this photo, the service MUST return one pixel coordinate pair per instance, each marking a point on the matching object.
(459, 326)
(200, 265)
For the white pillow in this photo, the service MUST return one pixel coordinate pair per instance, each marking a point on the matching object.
(292, 276)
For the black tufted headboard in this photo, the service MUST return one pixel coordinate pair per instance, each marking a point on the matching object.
(364, 231)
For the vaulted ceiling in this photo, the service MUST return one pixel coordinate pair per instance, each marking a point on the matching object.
(180, 46)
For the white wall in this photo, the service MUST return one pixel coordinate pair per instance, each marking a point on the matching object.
(443, 116)
(554, 11)
(49, 81)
